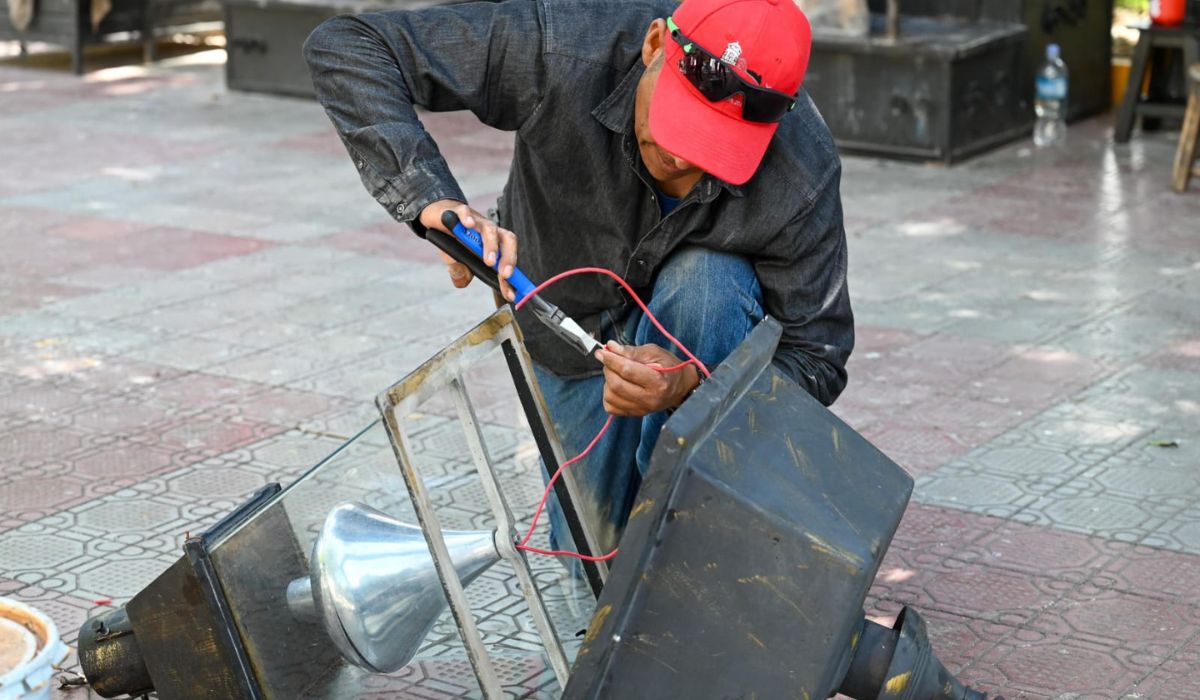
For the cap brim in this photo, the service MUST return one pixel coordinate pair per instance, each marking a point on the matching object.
(691, 128)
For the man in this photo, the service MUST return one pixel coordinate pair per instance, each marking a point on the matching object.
(668, 142)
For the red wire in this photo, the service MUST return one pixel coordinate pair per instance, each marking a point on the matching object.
(602, 271)
(546, 494)
(692, 360)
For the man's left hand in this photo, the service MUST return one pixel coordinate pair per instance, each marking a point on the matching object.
(632, 387)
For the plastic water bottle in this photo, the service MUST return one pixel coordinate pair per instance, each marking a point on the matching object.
(1051, 103)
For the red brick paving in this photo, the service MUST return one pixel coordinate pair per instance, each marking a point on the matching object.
(388, 239)
(39, 495)
(288, 407)
(123, 459)
(1183, 355)
(165, 248)
(1031, 610)
(95, 229)
(915, 446)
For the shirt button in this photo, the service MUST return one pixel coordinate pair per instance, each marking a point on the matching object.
(360, 164)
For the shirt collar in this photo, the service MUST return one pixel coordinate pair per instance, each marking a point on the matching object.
(615, 112)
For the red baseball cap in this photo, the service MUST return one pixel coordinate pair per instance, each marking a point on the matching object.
(770, 38)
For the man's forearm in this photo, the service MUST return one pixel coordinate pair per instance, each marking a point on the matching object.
(824, 379)
(370, 71)
(373, 112)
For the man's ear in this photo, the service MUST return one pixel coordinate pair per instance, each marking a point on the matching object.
(652, 45)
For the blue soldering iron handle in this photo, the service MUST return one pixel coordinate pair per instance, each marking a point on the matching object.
(471, 239)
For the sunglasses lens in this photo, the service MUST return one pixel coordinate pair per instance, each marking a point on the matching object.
(765, 107)
(716, 81)
(711, 77)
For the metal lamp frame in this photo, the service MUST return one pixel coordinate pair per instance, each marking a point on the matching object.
(444, 371)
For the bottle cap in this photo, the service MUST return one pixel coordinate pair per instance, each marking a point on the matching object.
(1052, 51)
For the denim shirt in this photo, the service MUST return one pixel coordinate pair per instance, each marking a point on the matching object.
(563, 75)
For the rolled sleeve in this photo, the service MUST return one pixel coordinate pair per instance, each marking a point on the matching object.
(371, 71)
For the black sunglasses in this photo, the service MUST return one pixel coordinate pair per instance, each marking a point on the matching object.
(716, 80)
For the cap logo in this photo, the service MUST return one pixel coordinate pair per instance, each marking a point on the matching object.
(733, 52)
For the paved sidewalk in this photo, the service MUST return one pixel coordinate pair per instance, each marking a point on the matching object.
(197, 296)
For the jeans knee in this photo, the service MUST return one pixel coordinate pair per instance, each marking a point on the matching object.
(699, 280)
(709, 300)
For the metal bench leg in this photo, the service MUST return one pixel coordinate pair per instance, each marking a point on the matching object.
(149, 45)
(77, 57)
(83, 25)
(1133, 89)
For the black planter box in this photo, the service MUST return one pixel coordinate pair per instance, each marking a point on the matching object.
(1083, 28)
(944, 90)
(264, 42)
(266, 37)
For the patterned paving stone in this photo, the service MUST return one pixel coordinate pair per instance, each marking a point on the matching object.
(123, 460)
(110, 375)
(1183, 355)
(1182, 531)
(1159, 395)
(218, 482)
(292, 450)
(39, 399)
(257, 332)
(190, 353)
(1121, 620)
(930, 533)
(30, 497)
(198, 390)
(1071, 508)
(34, 445)
(1176, 678)
(1036, 551)
(289, 408)
(914, 446)
(275, 366)
(1033, 665)
(990, 495)
(210, 435)
(36, 551)
(1150, 572)
(993, 594)
(342, 425)
(122, 416)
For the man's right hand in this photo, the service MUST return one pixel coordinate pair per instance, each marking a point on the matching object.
(496, 241)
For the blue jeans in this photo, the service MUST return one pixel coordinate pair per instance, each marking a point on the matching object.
(709, 301)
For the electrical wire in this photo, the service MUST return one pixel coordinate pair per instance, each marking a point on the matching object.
(691, 360)
(637, 299)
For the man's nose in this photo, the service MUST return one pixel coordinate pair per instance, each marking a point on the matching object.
(680, 163)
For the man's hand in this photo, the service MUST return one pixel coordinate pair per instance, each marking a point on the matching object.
(631, 388)
(496, 241)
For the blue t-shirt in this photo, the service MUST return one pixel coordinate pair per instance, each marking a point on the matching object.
(666, 204)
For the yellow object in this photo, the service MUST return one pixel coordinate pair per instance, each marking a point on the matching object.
(896, 684)
(1120, 78)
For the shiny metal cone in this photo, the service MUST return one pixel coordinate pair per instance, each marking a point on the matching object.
(373, 585)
